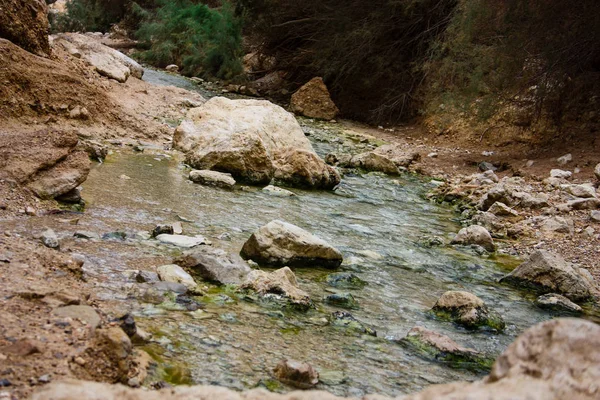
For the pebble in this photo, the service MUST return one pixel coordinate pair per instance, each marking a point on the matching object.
(49, 239)
(79, 361)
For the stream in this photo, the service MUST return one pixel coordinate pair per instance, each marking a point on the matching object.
(381, 225)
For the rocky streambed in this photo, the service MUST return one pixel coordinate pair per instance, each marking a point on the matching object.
(358, 328)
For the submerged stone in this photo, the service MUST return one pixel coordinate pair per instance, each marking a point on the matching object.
(347, 321)
(345, 280)
(279, 286)
(467, 310)
(435, 346)
(344, 300)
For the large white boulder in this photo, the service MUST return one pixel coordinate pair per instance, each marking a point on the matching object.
(252, 140)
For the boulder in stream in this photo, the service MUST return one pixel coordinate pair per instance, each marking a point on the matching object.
(174, 273)
(434, 345)
(343, 300)
(296, 373)
(278, 285)
(468, 310)
(252, 140)
(557, 302)
(346, 280)
(214, 265)
(212, 178)
(282, 244)
(550, 273)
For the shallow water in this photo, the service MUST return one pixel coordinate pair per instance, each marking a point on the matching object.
(377, 222)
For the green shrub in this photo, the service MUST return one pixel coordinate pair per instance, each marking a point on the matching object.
(203, 41)
(89, 15)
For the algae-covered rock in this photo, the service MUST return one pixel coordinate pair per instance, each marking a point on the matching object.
(344, 300)
(467, 310)
(438, 347)
(279, 287)
(347, 321)
(345, 280)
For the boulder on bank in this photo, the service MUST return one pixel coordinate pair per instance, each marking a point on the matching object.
(253, 140)
(282, 244)
(556, 302)
(550, 273)
(25, 23)
(371, 161)
(475, 235)
(280, 283)
(314, 101)
(212, 178)
(467, 310)
(214, 265)
(45, 161)
(107, 61)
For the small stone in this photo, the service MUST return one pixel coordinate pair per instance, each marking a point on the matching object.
(347, 321)
(174, 273)
(467, 310)
(297, 374)
(177, 228)
(127, 323)
(559, 173)
(172, 68)
(212, 178)
(583, 191)
(30, 211)
(529, 163)
(278, 192)
(86, 235)
(49, 239)
(432, 155)
(595, 215)
(475, 235)
(124, 177)
(5, 383)
(79, 361)
(567, 158)
(344, 300)
(597, 171)
(44, 379)
(345, 280)
(22, 348)
(502, 210)
(486, 166)
(83, 313)
(181, 240)
(557, 302)
(146, 276)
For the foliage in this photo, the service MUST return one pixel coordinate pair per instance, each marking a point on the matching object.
(89, 15)
(202, 40)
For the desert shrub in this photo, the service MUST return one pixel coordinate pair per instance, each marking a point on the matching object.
(89, 15)
(202, 40)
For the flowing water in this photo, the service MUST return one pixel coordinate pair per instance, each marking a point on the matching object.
(378, 223)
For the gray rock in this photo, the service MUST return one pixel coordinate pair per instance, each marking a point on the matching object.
(174, 287)
(347, 321)
(597, 171)
(280, 243)
(343, 300)
(281, 282)
(486, 166)
(502, 210)
(551, 273)
(585, 191)
(556, 302)
(567, 158)
(49, 239)
(559, 173)
(212, 178)
(174, 273)
(277, 191)
(583, 204)
(215, 265)
(557, 224)
(475, 235)
(146, 276)
(86, 235)
(595, 215)
(83, 313)
(345, 280)
(181, 240)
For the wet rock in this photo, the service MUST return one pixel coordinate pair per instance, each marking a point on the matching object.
(245, 138)
(181, 240)
(559, 173)
(304, 169)
(475, 235)
(174, 287)
(174, 273)
(277, 191)
(162, 229)
(280, 243)
(26, 25)
(281, 282)
(347, 321)
(215, 265)
(564, 160)
(467, 310)
(550, 273)
(297, 374)
(502, 210)
(345, 280)
(313, 100)
(584, 191)
(49, 239)
(438, 347)
(212, 178)
(556, 302)
(73, 196)
(344, 300)
(107, 61)
(83, 313)
(127, 323)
